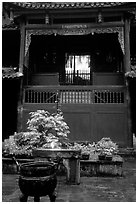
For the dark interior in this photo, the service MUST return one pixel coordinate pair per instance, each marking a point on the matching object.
(47, 52)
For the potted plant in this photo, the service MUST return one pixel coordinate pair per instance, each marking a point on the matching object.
(87, 149)
(45, 131)
(85, 153)
(106, 148)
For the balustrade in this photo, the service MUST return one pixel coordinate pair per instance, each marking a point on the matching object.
(75, 94)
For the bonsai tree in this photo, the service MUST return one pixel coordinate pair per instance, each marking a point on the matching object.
(45, 130)
(52, 127)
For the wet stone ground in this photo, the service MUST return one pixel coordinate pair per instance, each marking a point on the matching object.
(91, 189)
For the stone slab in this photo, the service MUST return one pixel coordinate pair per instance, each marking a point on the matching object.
(52, 153)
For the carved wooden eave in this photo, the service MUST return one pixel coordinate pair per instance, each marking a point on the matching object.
(74, 30)
(20, 9)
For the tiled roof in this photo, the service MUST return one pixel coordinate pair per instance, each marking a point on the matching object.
(57, 5)
(10, 73)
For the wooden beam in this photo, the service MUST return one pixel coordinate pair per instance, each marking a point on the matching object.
(88, 25)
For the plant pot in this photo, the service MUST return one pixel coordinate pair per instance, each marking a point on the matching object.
(101, 157)
(85, 157)
(109, 157)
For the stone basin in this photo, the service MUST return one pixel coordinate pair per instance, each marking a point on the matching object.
(71, 160)
(63, 153)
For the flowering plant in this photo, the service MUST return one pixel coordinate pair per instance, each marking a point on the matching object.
(45, 130)
(106, 147)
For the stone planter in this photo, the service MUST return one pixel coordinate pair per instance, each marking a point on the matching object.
(102, 167)
(105, 157)
(109, 157)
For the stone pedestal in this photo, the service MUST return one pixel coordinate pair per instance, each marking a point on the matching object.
(70, 160)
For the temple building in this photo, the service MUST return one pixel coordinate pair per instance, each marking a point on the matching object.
(72, 56)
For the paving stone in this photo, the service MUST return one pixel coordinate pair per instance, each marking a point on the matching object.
(91, 189)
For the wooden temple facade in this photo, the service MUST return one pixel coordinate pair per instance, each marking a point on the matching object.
(76, 53)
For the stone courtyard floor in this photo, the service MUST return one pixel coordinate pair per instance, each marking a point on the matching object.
(91, 189)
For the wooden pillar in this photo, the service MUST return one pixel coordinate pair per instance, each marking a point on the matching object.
(127, 68)
(127, 45)
(22, 48)
(20, 108)
(21, 62)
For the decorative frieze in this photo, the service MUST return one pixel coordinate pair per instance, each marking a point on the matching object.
(74, 30)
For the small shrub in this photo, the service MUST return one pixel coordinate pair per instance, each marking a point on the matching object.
(106, 147)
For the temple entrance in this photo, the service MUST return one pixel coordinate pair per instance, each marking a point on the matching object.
(75, 60)
(85, 72)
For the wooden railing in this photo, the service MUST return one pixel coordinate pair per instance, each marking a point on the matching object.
(75, 94)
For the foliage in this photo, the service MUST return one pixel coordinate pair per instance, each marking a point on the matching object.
(45, 130)
(86, 148)
(106, 147)
(51, 131)
(132, 73)
(21, 143)
(48, 124)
